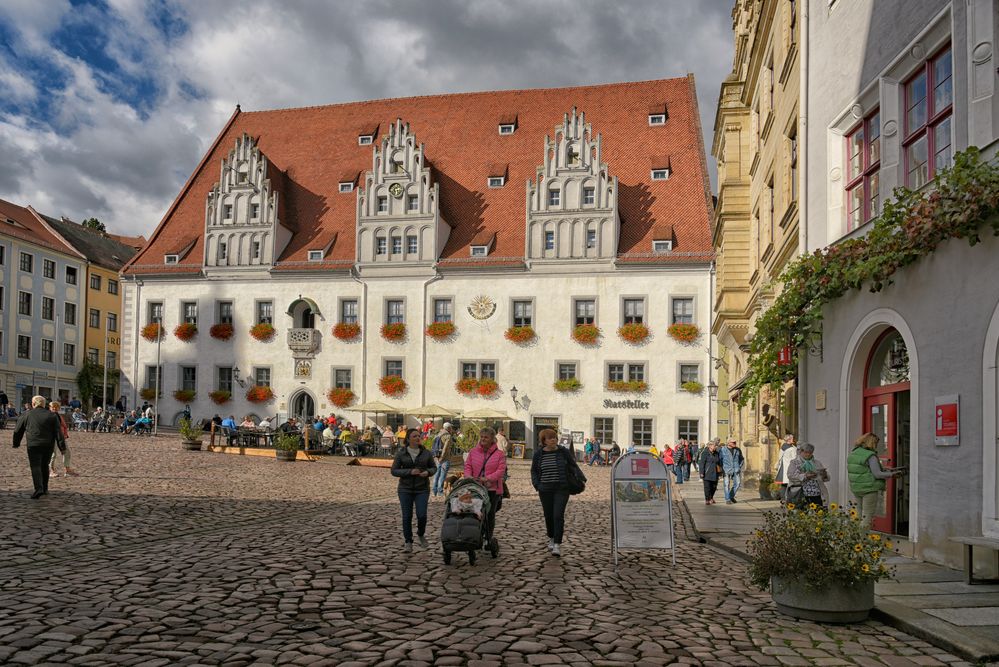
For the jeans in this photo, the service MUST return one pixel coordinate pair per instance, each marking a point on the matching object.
(682, 472)
(440, 477)
(710, 486)
(732, 483)
(407, 499)
(65, 458)
(596, 457)
(38, 460)
(554, 503)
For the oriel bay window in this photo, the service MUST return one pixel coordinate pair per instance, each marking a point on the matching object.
(864, 161)
(929, 99)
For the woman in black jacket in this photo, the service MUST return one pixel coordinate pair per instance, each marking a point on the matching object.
(709, 465)
(549, 475)
(414, 466)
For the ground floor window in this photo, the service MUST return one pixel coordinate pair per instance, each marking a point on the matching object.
(262, 376)
(341, 378)
(687, 429)
(603, 430)
(641, 432)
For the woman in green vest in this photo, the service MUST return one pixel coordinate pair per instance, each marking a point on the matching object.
(867, 477)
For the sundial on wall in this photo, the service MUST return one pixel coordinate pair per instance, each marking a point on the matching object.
(395, 190)
(482, 307)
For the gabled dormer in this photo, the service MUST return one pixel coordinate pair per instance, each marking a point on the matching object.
(572, 206)
(243, 230)
(398, 220)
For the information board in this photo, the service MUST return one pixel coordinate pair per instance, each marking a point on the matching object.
(641, 505)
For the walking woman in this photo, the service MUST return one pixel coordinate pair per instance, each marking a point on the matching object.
(549, 475)
(867, 477)
(710, 468)
(413, 465)
(54, 407)
(487, 464)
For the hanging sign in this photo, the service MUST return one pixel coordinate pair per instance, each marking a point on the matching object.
(947, 421)
(641, 506)
(784, 356)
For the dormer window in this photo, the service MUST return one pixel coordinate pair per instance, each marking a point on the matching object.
(507, 128)
(497, 181)
(657, 119)
(346, 187)
(365, 139)
(315, 255)
(480, 250)
(660, 174)
(659, 247)
(170, 259)
(554, 197)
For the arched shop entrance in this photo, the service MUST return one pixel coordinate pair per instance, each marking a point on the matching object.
(887, 414)
(303, 407)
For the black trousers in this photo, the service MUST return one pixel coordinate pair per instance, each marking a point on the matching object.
(494, 501)
(554, 504)
(710, 486)
(38, 460)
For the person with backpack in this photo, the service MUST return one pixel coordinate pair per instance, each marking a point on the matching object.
(732, 463)
(551, 469)
(442, 442)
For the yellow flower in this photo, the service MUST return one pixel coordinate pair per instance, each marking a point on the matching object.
(889, 545)
(876, 553)
(821, 513)
(858, 548)
(818, 528)
(874, 537)
(833, 506)
(865, 567)
(853, 513)
(790, 506)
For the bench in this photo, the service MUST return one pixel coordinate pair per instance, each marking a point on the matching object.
(969, 564)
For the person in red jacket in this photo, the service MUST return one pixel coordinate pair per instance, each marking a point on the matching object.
(487, 465)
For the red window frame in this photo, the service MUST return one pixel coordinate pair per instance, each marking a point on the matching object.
(868, 168)
(934, 117)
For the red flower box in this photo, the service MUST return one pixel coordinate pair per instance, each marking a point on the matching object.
(184, 395)
(347, 330)
(683, 333)
(220, 397)
(341, 397)
(520, 334)
(586, 334)
(259, 394)
(392, 385)
(441, 330)
(487, 387)
(467, 386)
(263, 331)
(221, 331)
(185, 331)
(152, 331)
(394, 332)
(634, 332)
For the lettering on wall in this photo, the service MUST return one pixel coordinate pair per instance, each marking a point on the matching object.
(632, 405)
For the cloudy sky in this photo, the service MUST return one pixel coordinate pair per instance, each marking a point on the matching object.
(106, 107)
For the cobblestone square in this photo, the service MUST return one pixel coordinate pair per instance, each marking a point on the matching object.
(157, 556)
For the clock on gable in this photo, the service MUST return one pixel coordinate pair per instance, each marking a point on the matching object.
(395, 190)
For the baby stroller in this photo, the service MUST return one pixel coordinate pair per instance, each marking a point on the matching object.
(464, 526)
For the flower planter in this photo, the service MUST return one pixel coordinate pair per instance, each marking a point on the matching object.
(633, 333)
(833, 604)
(692, 387)
(441, 330)
(259, 394)
(184, 395)
(683, 333)
(221, 331)
(220, 397)
(340, 397)
(152, 331)
(147, 394)
(262, 332)
(567, 386)
(185, 331)
(586, 334)
(285, 454)
(394, 332)
(520, 334)
(192, 445)
(346, 331)
(636, 386)
(466, 386)
(392, 385)
(487, 387)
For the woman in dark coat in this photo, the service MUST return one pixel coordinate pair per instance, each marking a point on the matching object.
(709, 465)
(414, 466)
(549, 475)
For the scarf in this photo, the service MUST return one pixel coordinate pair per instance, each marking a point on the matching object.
(807, 465)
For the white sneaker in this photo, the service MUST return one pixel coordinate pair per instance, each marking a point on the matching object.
(551, 544)
(422, 540)
(408, 547)
(557, 550)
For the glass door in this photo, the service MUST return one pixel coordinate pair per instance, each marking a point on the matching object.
(879, 419)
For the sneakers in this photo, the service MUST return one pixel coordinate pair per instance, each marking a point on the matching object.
(422, 540)
(728, 502)
(734, 500)
(557, 550)
(408, 547)
(551, 544)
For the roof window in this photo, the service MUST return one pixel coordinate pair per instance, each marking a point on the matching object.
(662, 246)
(346, 187)
(657, 119)
(365, 139)
(507, 128)
(660, 174)
(315, 255)
(497, 181)
(170, 259)
(480, 250)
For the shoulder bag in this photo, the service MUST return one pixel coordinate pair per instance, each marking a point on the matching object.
(573, 477)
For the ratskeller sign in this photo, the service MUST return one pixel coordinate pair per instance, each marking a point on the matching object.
(634, 405)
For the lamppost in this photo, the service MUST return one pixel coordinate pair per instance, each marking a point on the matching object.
(104, 386)
(159, 372)
(713, 396)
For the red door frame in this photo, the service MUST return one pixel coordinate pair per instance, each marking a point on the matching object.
(885, 395)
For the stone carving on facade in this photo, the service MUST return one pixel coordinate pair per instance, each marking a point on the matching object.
(304, 343)
(581, 220)
(303, 369)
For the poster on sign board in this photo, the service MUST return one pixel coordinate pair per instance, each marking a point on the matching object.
(641, 507)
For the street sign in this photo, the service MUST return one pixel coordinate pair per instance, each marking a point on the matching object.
(641, 504)
(722, 421)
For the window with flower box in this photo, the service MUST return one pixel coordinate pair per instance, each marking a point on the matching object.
(189, 378)
(863, 148)
(189, 312)
(262, 376)
(567, 370)
(523, 313)
(634, 311)
(929, 102)
(348, 311)
(393, 367)
(265, 312)
(224, 309)
(443, 310)
(683, 311)
(585, 311)
(223, 375)
(478, 370)
(342, 378)
(689, 373)
(395, 311)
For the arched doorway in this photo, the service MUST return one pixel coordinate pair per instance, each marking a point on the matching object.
(303, 407)
(887, 414)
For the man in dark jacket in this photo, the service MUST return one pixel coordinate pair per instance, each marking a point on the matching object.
(43, 428)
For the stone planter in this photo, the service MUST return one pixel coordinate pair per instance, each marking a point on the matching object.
(192, 445)
(835, 604)
(285, 455)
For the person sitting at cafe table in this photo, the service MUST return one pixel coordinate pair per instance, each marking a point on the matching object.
(229, 429)
(247, 422)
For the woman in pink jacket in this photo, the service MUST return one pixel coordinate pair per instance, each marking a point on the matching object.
(486, 463)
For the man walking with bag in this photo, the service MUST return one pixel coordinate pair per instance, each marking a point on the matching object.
(441, 451)
(732, 462)
(44, 432)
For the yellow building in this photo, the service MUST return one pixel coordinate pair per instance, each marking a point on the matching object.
(101, 317)
(756, 219)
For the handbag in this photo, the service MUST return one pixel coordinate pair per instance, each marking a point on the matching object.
(718, 468)
(574, 479)
(794, 494)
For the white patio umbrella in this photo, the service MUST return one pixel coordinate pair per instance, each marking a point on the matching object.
(430, 411)
(486, 414)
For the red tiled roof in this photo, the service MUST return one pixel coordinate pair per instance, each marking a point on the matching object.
(29, 228)
(132, 241)
(309, 145)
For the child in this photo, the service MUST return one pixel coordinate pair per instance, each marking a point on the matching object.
(466, 503)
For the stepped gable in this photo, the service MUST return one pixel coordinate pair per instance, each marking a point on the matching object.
(314, 147)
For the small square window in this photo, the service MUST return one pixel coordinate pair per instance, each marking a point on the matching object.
(242, 176)
(393, 367)
(589, 195)
(554, 197)
(689, 373)
(662, 246)
(507, 128)
(657, 119)
(496, 181)
(383, 204)
(170, 259)
(413, 203)
(365, 139)
(479, 251)
(615, 372)
(660, 174)
(346, 187)
(567, 371)
(315, 255)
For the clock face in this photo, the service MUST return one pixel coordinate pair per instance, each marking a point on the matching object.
(395, 190)
(481, 307)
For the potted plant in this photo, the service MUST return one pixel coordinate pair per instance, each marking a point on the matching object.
(683, 333)
(184, 395)
(692, 387)
(152, 331)
(586, 334)
(185, 331)
(346, 330)
(633, 332)
(520, 334)
(221, 331)
(776, 490)
(466, 386)
(567, 385)
(190, 436)
(286, 446)
(394, 332)
(147, 393)
(635, 386)
(220, 397)
(766, 479)
(487, 387)
(392, 385)
(819, 564)
(341, 397)
(259, 393)
(263, 331)
(441, 330)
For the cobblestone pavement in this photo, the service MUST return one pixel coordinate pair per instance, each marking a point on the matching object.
(156, 556)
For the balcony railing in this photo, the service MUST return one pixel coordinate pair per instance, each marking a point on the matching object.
(304, 341)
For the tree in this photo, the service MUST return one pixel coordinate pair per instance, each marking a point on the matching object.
(90, 381)
(95, 224)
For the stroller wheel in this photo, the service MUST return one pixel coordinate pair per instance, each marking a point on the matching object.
(471, 558)
(447, 557)
(494, 548)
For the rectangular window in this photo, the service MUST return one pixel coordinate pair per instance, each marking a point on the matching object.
(225, 378)
(255, 250)
(315, 255)
(381, 245)
(48, 308)
(47, 350)
(442, 310)
(479, 250)
(478, 370)
(112, 322)
(70, 313)
(48, 268)
(393, 367)
(395, 312)
(690, 373)
(24, 303)
(223, 251)
(636, 372)
(365, 139)
(3, 255)
(70, 275)
(95, 282)
(2, 301)
(152, 376)
(171, 259)
(496, 181)
(634, 311)
(687, 429)
(224, 312)
(262, 376)
(69, 354)
(396, 245)
(554, 197)
(929, 98)
(24, 347)
(657, 119)
(265, 312)
(792, 160)
(549, 240)
(506, 128)
(342, 378)
(662, 246)
(112, 360)
(189, 378)
(93, 355)
(591, 238)
(863, 166)
(683, 311)
(567, 370)
(660, 174)
(94, 319)
(469, 369)
(189, 310)
(27, 262)
(412, 244)
(615, 372)
(641, 432)
(585, 311)
(487, 370)
(523, 313)
(227, 211)
(155, 315)
(254, 211)
(346, 187)
(589, 195)
(383, 204)
(413, 203)
(348, 311)
(112, 286)
(603, 430)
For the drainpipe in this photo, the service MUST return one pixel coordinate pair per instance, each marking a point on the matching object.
(364, 335)
(135, 341)
(711, 351)
(801, 385)
(423, 367)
